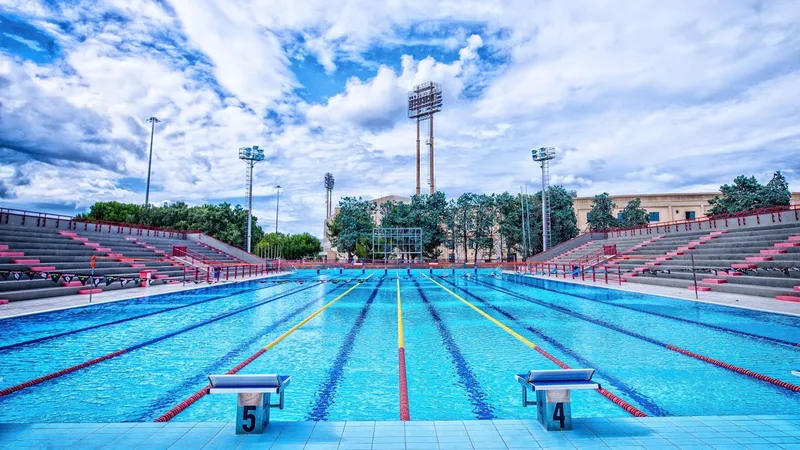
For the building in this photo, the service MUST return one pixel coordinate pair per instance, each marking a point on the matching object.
(662, 207)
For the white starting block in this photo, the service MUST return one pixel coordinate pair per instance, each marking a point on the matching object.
(552, 394)
(253, 405)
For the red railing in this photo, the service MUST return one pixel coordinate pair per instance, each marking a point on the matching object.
(711, 221)
(40, 219)
(225, 272)
(182, 251)
(595, 257)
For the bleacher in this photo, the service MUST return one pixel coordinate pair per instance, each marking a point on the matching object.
(32, 258)
(756, 257)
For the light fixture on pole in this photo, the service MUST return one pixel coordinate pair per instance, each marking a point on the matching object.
(153, 121)
(250, 155)
(328, 194)
(424, 101)
(277, 207)
(543, 156)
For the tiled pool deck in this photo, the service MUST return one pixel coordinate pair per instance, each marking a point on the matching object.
(728, 432)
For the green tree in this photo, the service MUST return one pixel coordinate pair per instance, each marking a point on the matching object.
(352, 226)
(563, 221)
(634, 215)
(776, 192)
(291, 246)
(429, 212)
(463, 210)
(223, 221)
(601, 214)
(509, 221)
(744, 194)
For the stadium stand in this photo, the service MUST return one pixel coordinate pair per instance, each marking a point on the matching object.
(755, 253)
(42, 256)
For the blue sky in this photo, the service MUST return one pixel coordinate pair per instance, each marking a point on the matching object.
(637, 97)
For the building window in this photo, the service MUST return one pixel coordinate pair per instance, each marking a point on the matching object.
(690, 215)
(619, 216)
(654, 217)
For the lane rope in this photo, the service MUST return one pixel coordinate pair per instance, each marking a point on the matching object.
(620, 402)
(405, 413)
(91, 362)
(603, 323)
(180, 407)
(666, 316)
(630, 391)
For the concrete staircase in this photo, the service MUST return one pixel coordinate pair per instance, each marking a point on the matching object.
(46, 251)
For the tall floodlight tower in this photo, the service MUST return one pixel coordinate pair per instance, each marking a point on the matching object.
(251, 156)
(543, 156)
(328, 194)
(423, 102)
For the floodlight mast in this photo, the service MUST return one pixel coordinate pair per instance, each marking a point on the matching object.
(251, 156)
(329, 195)
(543, 156)
(423, 102)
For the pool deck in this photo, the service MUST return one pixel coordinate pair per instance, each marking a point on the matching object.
(25, 307)
(778, 432)
(720, 298)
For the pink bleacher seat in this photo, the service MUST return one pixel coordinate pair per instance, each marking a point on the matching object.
(731, 273)
(688, 247)
(137, 265)
(700, 288)
(91, 244)
(3, 301)
(674, 253)
(713, 281)
(794, 238)
(78, 238)
(664, 258)
(114, 255)
(787, 298)
(102, 249)
(797, 288)
(89, 291)
(130, 238)
(787, 244)
(744, 266)
(718, 233)
(758, 258)
(773, 251)
(652, 263)
(25, 261)
(67, 233)
(11, 254)
(42, 268)
(3, 247)
(71, 284)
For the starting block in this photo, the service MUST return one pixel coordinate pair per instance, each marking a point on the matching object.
(552, 394)
(253, 402)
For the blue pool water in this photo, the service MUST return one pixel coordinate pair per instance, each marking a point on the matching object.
(344, 362)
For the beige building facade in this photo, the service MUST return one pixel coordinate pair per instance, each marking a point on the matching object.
(662, 207)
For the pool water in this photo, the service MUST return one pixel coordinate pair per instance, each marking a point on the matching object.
(344, 362)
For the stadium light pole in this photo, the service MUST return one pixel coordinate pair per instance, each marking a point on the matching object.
(277, 207)
(543, 156)
(251, 156)
(153, 121)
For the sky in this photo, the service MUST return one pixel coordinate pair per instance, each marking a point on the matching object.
(637, 96)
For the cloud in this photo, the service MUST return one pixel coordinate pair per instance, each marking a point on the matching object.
(653, 97)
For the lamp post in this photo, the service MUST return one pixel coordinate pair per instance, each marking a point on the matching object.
(153, 121)
(251, 156)
(277, 207)
(543, 156)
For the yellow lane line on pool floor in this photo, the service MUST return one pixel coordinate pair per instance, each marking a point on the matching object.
(485, 314)
(315, 314)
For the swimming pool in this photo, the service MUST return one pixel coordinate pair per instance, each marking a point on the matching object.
(658, 355)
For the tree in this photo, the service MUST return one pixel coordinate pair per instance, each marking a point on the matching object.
(484, 216)
(429, 212)
(601, 214)
(352, 226)
(463, 210)
(776, 192)
(292, 246)
(634, 215)
(223, 222)
(563, 221)
(509, 221)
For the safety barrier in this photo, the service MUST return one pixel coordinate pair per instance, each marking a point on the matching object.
(633, 334)
(132, 348)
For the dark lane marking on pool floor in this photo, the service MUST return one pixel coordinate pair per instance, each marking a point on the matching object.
(466, 378)
(202, 376)
(115, 322)
(630, 391)
(91, 362)
(330, 383)
(180, 407)
(666, 316)
(603, 323)
(604, 392)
